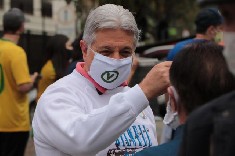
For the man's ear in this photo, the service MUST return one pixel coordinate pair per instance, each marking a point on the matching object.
(211, 31)
(20, 30)
(84, 49)
(173, 101)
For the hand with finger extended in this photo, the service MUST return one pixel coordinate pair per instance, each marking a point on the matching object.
(156, 81)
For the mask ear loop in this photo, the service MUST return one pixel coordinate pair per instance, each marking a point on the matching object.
(91, 49)
(176, 95)
(171, 118)
(133, 64)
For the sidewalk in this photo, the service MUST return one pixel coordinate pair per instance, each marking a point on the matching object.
(30, 151)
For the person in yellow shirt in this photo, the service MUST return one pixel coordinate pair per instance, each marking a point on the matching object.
(15, 82)
(58, 55)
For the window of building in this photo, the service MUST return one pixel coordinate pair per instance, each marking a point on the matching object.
(46, 8)
(1, 3)
(25, 5)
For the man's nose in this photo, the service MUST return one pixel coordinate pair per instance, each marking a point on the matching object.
(116, 55)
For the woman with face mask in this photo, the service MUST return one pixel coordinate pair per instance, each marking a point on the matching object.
(57, 55)
(196, 79)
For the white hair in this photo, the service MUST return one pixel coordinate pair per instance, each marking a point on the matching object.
(110, 16)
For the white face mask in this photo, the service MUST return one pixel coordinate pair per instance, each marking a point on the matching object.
(229, 50)
(171, 118)
(108, 72)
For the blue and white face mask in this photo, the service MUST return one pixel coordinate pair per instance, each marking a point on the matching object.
(108, 72)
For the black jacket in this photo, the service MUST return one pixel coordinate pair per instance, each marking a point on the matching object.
(210, 130)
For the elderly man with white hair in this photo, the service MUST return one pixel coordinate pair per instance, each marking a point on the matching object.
(92, 111)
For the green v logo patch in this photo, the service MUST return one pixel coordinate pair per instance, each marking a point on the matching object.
(109, 76)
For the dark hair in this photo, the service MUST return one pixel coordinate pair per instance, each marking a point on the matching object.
(207, 17)
(13, 20)
(77, 52)
(212, 2)
(199, 73)
(58, 54)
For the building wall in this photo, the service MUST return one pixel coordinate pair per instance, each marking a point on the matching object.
(35, 22)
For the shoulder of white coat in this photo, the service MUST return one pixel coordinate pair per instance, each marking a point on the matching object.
(69, 86)
(74, 81)
(149, 112)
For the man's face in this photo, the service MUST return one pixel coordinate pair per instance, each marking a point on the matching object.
(112, 43)
(228, 12)
(214, 31)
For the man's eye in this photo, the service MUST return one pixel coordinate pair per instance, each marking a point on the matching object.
(105, 52)
(126, 53)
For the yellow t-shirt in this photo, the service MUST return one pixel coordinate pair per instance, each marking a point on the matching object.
(14, 106)
(48, 77)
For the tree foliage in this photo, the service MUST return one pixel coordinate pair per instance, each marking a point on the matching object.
(156, 16)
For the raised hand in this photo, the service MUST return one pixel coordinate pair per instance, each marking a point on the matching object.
(157, 80)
